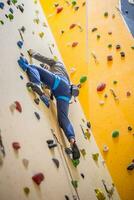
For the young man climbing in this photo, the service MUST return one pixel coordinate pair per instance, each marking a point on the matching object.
(57, 80)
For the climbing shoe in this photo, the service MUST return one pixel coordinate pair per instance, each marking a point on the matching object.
(130, 166)
(75, 151)
(23, 63)
(51, 144)
(35, 88)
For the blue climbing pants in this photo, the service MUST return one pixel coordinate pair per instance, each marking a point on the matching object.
(60, 88)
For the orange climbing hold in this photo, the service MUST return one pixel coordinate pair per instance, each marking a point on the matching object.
(101, 87)
(74, 44)
(18, 106)
(72, 26)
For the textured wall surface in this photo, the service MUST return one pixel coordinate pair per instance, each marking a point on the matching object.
(113, 115)
(17, 167)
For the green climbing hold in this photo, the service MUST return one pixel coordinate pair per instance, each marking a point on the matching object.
(115, 134)
(115, 82)
(1, 22)
(74, 183)
(74, 2)
(55, 58)
(99, 194)
(110, 46)
(26, 190)
(106, 14)
(83, 79)
(95, 156)
(75, 162)
(14, 1)
(10, 16)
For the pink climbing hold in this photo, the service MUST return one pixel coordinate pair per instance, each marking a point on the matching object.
(59, 9)
(18, 106)
(74, 44)
(38, 178)
(72, 26)
(16, 145)
(101, 87)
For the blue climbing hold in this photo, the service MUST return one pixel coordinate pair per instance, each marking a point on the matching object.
(11, 10)
(1, 5)
(20, 44)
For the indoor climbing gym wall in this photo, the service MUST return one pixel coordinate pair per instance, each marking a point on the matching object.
(105, 55)
(35, 159)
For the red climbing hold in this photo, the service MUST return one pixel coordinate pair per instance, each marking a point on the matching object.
(74, 44)
(72, 26)
(18, 106)
(59, 9)
(101, 87)
(16, 145)
(38, 178)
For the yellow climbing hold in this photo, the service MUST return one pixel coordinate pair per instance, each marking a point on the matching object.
(99, 194)
(41, 34)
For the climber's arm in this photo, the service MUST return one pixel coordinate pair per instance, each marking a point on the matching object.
(41, 58)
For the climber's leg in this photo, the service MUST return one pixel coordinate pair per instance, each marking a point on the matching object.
(65, 124)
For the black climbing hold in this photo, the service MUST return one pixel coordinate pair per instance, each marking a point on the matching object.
(130, 128)
(23, 29)
(126, 11)
(88, 124)
(52, 146)
(42, 65)
(50, 141)
(1, 22)
(68, 151)
(118, 46)
(122, 54)
(6, 15)
(11, 10)
(130, 166)
(9, 2)
(82, 175)
(21, 77)
(94, 29)
(37, 101)
(56, 162)
(37, 115)
(20, 8)
(66, 197)
(2, 5)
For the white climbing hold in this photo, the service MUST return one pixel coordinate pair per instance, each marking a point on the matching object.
(105, 148)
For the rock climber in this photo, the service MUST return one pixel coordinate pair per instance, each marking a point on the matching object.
(57, 80)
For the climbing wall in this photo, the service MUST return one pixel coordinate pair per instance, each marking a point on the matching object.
(28, 167)
(107, 35)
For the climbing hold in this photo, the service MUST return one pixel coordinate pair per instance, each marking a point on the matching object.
(88, 124)
(94, 29)
(18, 106)
(114, 94)
(37, 115)
(51, 144)
(95, 156)
(56, 4)
(66, 197)
(118, 46)
(38, 178)
(72, 26)
(2, 5)
(113, 16)
(110, 58)
(106, 14)
(101, 87)
(26, 190)
(132, 47)
(74, 183)
(59, 9)
(16, 145)
(74, 44)
(130, 128)
(105, 148)
(56, 162)
(9, 2)
(75, 162)
(131, 166)
(74, 2)
(83, 79)
(36, 20)
(99, 194)
(10, 16)
(25, 162)
(109, 46)
(122, 54)
(21, 77)
(1, 22)
(115, 134)
(11, 10)
(101, 102)
(62, 31)
(126, 11)
(82, 175)
(35, 1)
(98, 36)
(68, 151)
(76, 8)
(41, 34)
(106, 96)
(115, 82)
(87, 134)
(55, 58)
(84, 3)
(20, 44)
(128, 93)
(83, 152)
(14, 1)
(2, 148)
(37, 101)
(110, 33)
